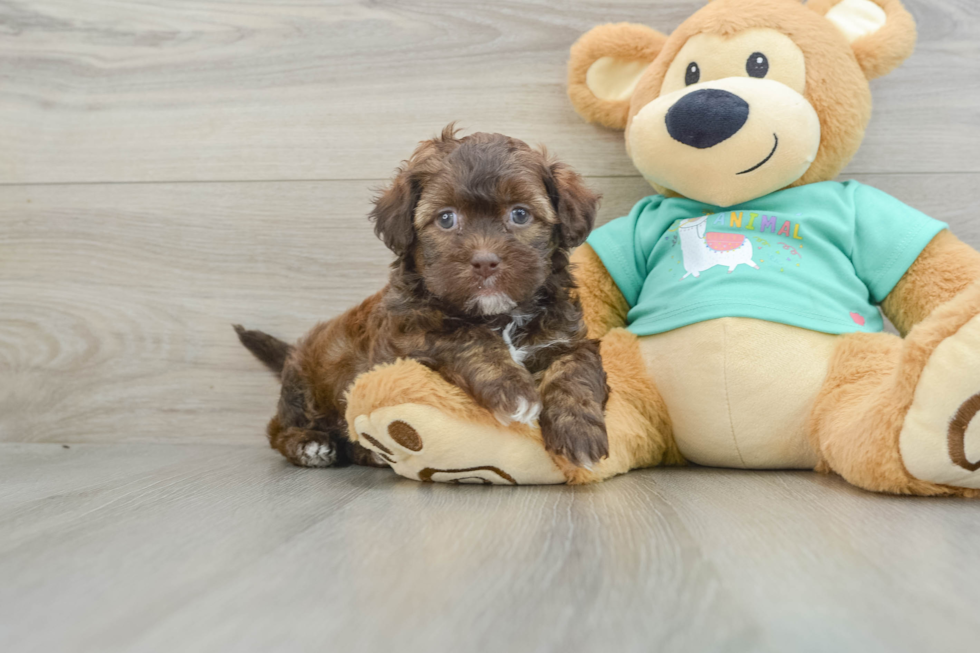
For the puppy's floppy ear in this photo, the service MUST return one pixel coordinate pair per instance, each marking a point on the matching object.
(394, 207)
(394, 211)
(575, 205)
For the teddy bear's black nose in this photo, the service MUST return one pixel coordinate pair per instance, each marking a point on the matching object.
(704, 118)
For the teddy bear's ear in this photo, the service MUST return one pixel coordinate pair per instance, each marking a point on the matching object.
(605, 65)
(881, 32)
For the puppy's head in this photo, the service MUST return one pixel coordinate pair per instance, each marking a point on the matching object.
(481, 219)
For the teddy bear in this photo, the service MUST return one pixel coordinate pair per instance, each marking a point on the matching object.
(738, 308)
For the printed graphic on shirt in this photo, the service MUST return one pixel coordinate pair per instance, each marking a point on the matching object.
(702, 249)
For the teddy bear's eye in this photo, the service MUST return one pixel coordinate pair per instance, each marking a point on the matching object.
(693, 74)
(757, 65)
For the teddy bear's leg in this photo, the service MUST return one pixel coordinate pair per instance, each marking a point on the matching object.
(896, 415)
(430, 430)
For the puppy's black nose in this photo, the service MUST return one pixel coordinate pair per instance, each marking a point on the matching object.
(485, 263)
(704, 118)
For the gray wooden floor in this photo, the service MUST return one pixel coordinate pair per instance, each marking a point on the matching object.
(168, 168)
(141, 547)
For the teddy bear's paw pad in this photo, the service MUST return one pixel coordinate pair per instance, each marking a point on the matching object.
(399, 444)
(393, 442)
(425, 444)
(940, 439)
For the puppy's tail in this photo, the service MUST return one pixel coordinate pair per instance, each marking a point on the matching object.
(271, 351)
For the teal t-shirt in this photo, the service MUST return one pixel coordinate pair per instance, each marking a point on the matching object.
(819, 256)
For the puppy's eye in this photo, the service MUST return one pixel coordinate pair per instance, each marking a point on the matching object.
(757, 65)
(693, 74)
(520, 216)
(447, 219)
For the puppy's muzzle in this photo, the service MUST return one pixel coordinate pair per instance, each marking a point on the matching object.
(485, 264)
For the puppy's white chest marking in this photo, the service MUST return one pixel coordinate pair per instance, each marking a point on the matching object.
(516, 353)
(520, 354)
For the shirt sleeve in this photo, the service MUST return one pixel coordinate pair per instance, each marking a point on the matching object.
(889, 236)
(617, 246)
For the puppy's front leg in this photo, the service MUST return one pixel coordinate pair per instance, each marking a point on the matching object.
(484, 368)
(573, 390)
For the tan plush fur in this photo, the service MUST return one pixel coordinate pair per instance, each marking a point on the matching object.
(624, 41)
(859, 413)
(880, 53)
(943, 270)
(408, 382)
(603, 305)
(836, 79)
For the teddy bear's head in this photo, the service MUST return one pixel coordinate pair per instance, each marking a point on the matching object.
(746, 97)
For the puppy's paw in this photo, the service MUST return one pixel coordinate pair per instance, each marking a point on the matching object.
(306, 447)
(525, 413)
(314, 454)
(511, 399)
(578, 434)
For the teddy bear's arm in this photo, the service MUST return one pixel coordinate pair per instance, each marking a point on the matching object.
(944, 269)
(603, 305)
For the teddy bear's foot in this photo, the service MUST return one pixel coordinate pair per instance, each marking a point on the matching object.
(423, 443)
(430, 430)
(940, 438)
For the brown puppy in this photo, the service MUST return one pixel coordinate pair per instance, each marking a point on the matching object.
(480, 292)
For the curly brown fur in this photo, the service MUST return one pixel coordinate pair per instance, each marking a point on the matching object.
(271, 351)
(480, 291)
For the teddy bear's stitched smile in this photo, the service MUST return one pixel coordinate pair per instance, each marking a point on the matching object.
(765, 160)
